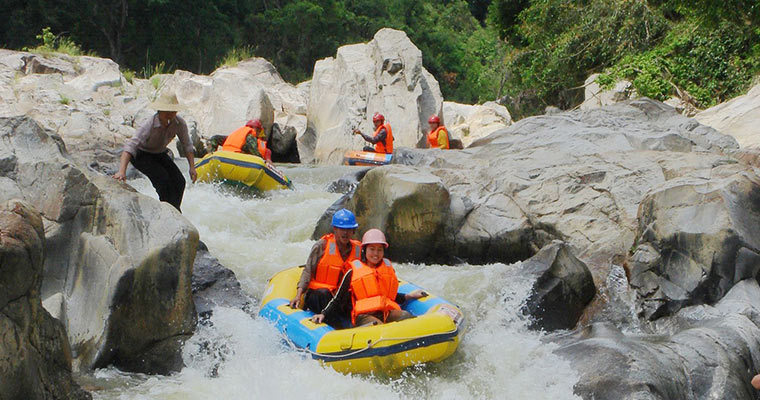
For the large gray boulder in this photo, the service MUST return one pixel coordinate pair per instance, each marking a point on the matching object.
(595, 96)
(409, 206)
(386, 76)
(738, 117)
(577, 176)
(472, 122)
(710, 353)
(35, 361)
(697, 236)
(562, 287)
(120, 263)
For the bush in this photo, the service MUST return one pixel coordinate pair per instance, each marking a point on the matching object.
(711, 65)
(129, 75)
(50, 43)
(236, 55)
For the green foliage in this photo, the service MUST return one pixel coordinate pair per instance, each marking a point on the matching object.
(64, 99)
(235, 55)
(711, 65)
(149, 70)
(129, 75)
(50, 43)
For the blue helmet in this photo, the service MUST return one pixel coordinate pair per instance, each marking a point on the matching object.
(344, 219)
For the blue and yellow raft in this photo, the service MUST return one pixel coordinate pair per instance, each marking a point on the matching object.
(386, 349)
(241, 170)
(366, 158)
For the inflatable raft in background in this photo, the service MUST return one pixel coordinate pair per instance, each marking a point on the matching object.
(241, 170)
(366, 158)
(432, 336)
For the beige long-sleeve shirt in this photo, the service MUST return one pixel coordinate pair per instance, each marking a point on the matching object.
(153, 138)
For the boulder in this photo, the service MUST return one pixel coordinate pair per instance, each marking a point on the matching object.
(697, 236)
(411, 207)
(595, 96)
(36, 358)
(738, 117)
(562, 287)
(286, 129)
(214, 285)
(577, 176)
(386, 76)
(346, 185)
(121, 261)
(469, 123)
(712, 354)
(231, 95)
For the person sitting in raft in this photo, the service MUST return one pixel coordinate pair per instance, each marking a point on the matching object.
(327, 264)
(373, 286)
(383, 137)
(147, 151)
(248, 139)
(438, 137)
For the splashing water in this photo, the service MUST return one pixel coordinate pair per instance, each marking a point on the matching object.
(239, 357)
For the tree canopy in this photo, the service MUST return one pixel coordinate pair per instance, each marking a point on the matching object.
(527, 53)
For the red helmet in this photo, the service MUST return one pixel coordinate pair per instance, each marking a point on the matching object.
(434, 119)
(254, 123)
(378, 117)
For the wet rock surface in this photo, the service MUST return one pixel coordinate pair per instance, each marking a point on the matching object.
(214, 285)
(119, 261)
(35, 358)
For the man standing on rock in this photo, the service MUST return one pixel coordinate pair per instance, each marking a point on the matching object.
(383, 137)
(148, 153)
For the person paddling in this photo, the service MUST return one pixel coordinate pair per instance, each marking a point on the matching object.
(438, 137)
(383, 137)
(249, 139)
(147, 151)
(327, 264)
(373, 286)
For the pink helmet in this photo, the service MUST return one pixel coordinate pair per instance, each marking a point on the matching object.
(374, 236)
(378, 117)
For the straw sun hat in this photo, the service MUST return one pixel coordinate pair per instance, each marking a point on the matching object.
(167, 102)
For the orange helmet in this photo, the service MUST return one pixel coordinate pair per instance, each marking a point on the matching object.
(374, 236)
(378, 117)
(434, 119)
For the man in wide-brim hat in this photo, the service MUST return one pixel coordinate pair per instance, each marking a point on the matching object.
(147, 151)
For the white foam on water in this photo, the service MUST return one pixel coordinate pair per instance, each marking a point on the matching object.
(237, 357)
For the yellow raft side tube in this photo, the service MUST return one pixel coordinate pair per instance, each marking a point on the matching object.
(245, 169)
(382, 349)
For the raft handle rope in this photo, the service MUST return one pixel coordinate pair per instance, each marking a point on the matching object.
(370, 344)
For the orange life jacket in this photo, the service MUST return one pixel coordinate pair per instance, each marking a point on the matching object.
(236, 140)
(373, 289)
(385, 146)
(435, 134)
(332, 266)
(262, 145)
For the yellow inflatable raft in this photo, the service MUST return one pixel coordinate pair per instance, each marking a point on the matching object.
(432, 336)
(240, 169)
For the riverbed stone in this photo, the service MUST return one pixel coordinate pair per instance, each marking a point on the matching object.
(707, 353)
(562, 287)
(698, 238)
(121, 261)
(408, 206)
(214, 285)
(36, 358)
(385, 76)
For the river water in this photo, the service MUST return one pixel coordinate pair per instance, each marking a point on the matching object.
(239, 357)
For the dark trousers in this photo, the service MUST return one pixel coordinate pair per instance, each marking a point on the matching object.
(163, 174)
(316, 300)
(369, 148)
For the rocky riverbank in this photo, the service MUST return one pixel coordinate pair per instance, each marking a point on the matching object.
(633, 224)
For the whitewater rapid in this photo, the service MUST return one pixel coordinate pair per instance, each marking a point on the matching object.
(239, 357)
